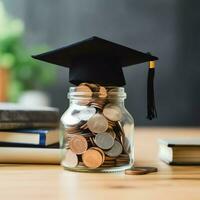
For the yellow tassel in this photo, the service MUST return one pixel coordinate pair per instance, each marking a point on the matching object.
(152, 64)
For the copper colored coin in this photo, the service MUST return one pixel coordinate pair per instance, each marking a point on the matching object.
(101, 151)
(78, 144)
(85, 89)
(112, 112)
(134, 171)
(140, 170)
(92, 86)
(150, 169)
(97, 123)
(92, 158)
(102, 92)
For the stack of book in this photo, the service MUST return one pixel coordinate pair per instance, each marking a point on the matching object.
(180, 151)
(29, 135)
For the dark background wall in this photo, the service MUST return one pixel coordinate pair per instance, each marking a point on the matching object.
(169, 29)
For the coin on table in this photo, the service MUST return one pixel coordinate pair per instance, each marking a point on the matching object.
(92, 158)
(70, 160)
(112, 112)
(78, 144)
(140, 170)
(115, 151)
(97, 123)
(104, 140)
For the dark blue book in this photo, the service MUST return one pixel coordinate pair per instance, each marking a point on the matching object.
(28, 137)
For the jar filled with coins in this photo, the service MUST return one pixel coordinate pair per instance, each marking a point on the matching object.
(97, 130)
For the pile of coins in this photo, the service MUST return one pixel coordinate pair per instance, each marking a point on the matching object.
(94, 134)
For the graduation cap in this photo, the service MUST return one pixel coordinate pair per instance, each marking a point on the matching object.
(96, 60)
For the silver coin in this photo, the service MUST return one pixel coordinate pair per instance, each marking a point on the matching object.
(70, 120)
(115, 151)
(97, 123)
(104, 140)
(70, 159)
(86, 113)
(112, 112)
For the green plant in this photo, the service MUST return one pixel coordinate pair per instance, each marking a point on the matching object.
(26, 73)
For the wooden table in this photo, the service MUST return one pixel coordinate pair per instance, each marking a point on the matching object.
(32, 182)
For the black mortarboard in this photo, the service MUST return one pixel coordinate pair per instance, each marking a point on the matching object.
(95, 60)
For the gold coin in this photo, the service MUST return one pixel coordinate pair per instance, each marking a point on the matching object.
(97, 123)
(112, 112)
(70, 159)
(92, 159)
(78, 144)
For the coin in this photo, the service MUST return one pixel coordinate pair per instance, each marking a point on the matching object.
(115, 151)
(101, 151)
(133, 171)
(92, 158)
(70, 160)
(70, 119)
(97, 123)
(149, 169)
(112, 112)
(104, 140)
(112, 133)
(140, 170)
(86, 113)
(92, 86)
(102, 92)
(97, 103)
(78, 144)
(84, 89)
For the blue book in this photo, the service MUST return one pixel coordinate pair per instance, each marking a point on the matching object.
(28, 137)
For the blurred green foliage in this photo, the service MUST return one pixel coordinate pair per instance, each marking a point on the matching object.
(26, 73)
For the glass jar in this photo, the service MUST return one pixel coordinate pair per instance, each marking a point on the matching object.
(96, 130)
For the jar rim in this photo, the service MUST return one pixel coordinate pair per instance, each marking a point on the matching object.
(113, 92)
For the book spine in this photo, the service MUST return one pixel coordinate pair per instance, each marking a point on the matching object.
(29, 116)
(42, 141)
(24, 125)
(30, 155)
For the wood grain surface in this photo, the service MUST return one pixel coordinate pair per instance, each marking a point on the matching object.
(32, 182)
